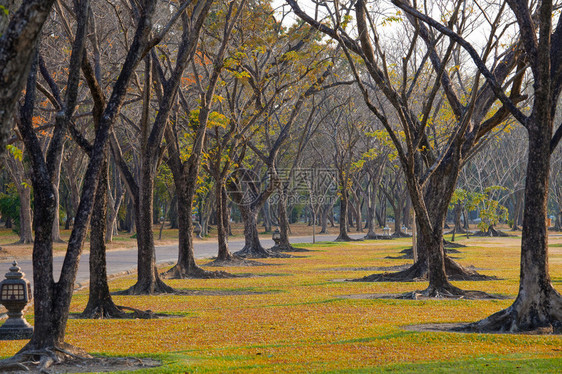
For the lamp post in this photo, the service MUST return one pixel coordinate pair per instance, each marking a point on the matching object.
(276, 236)
(15, 293)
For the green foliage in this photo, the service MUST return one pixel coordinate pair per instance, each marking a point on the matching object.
(491, 211)
(15, 151)
(10, 206)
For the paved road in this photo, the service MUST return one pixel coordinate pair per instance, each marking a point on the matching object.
(121, 261)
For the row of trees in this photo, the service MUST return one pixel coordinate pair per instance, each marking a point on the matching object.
(230, 101)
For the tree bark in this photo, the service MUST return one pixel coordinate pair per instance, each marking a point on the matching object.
(222, 220)
(324, 210)
(18, 42)
(343, 236)
(371, 196)
(17, 172)
(538, 305)
(186, 266)
(148, 279)
(100, 303)
(114, 212)
(252, 245)
(26, 233)
(284, 243)
(56, 186)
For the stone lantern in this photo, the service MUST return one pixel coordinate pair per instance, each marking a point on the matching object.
(276, 236)
(15, 293)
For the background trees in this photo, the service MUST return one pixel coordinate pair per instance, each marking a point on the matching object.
(433, 124)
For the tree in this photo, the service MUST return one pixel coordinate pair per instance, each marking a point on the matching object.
(438, 130)
(185, 165)
(151, 134)
(345, 131)
(278, 86)
(538, 304)
(52, 299)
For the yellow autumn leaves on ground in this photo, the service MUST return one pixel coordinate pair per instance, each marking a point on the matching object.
(292, 316)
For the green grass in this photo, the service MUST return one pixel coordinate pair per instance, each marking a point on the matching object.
(492, 364)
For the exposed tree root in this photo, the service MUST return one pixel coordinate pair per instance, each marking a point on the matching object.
(40, 360)
(419, 272)
(287, 248)
(408, 253)
(460, 231)
(416, 272)
(492, 232)
(195, 272)
(448, 244)
(76, 363)
(235, 261)
(373, 236)
(23, 241)
(112, 311)
(447, 292)
(400, 234)
(346, 238)
(259, 252)
(147, 288)
(536, 314)
(456, 271)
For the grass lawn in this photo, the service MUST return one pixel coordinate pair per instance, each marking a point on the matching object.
(292, 318)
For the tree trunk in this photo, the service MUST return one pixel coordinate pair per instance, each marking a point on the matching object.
(324, 210)
(227, 208)
(398, 217)
(518, 210)
(26, 233)
(266, 216)
(222, 220)
(148, 279)
(112, 219)
(358, 216)
(48, 329)
(17, 172)
(186, 266)
(173, 212)
(56, 187)
(432, 263)
(538, 305)
(343, 236)
(284, 244)
(381, 212)
(371, 206)
(252, 246)
(100, 304)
